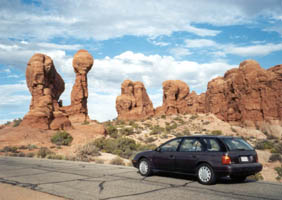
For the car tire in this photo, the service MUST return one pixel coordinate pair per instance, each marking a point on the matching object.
(144, 167)
(238, 178)
(205, 174)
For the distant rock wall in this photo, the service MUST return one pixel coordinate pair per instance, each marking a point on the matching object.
(248, 95)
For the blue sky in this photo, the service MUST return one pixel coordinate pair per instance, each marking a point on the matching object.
(145, 40)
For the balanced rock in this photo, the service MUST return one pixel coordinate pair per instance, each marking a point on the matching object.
(134, 102)
(45, 86)
(77, 111)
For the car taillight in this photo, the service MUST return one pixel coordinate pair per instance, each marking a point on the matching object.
(257, 159)
(225, 160)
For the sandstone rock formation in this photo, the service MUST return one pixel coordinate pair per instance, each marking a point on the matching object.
(45, 86)
(77, 111)
(134, 102)
(177, 99)
(248, 94)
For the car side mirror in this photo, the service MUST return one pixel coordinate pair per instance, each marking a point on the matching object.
(158, 149)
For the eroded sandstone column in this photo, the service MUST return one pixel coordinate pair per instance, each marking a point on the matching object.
(134, 102)
(45, 86)
(82, 63)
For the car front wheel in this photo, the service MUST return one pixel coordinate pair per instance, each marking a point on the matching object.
(145, 167)
(206, 174)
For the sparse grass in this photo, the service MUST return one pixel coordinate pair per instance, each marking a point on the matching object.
(169, 128)
(99, 161)
(157, 130)
(30, 154)
(55, 157)
(117, 161)
(62, 138)
(43, 152)
(163, 117)
(186, 132)
(216, 132)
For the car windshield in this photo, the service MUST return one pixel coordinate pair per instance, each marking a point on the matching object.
(237, 144)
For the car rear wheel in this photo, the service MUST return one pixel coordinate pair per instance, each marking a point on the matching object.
(206, 174)
(145, 167)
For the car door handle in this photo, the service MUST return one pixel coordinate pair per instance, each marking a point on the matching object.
(194, 156)
(171, 156)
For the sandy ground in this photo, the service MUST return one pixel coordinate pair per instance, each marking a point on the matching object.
(10, 192)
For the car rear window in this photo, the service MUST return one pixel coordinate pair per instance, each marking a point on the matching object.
(237, 144)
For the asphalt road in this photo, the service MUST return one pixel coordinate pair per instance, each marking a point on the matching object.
(78, 180)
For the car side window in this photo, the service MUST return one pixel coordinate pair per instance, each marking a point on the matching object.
(212, 144)
(170, 146)
(191, 145)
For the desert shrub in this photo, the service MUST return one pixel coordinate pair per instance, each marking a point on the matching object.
(150, 140)
(133, 124)
(186, 132)
(62, 138)
(179, 119)
(43, 152)
(216, 132)
(279, 172)
(99, 161)
(123, 147)
(156, 130)
(117, 161)
(120, 122)
(88, 150)
(126, 131)
(168, 128)
(10, 149)
(277, 148)
(194, 117)
(275, 157)
(264, 144)
(21, 154)
(163, 117)
(112, 131)
(206, 123)
(233, 130)
(55, 157)
(31, 147)
(23, 147)
(164, 136)
(16, 122)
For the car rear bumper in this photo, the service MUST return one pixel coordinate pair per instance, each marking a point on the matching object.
(239, 169)
(135, 163)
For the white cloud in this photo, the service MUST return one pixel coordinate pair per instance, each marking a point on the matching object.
(199, 43)
(179, 52)
(106, 19)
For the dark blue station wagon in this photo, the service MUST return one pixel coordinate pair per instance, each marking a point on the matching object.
(207, 157)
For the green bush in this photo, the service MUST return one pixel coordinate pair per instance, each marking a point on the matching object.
(275, 157)
(168, 127)
(85, 123)
(216, 132)
(194, 117)
(112, 131)
(62, 138)
(30, 154)
(277, 148)
(10, 149)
